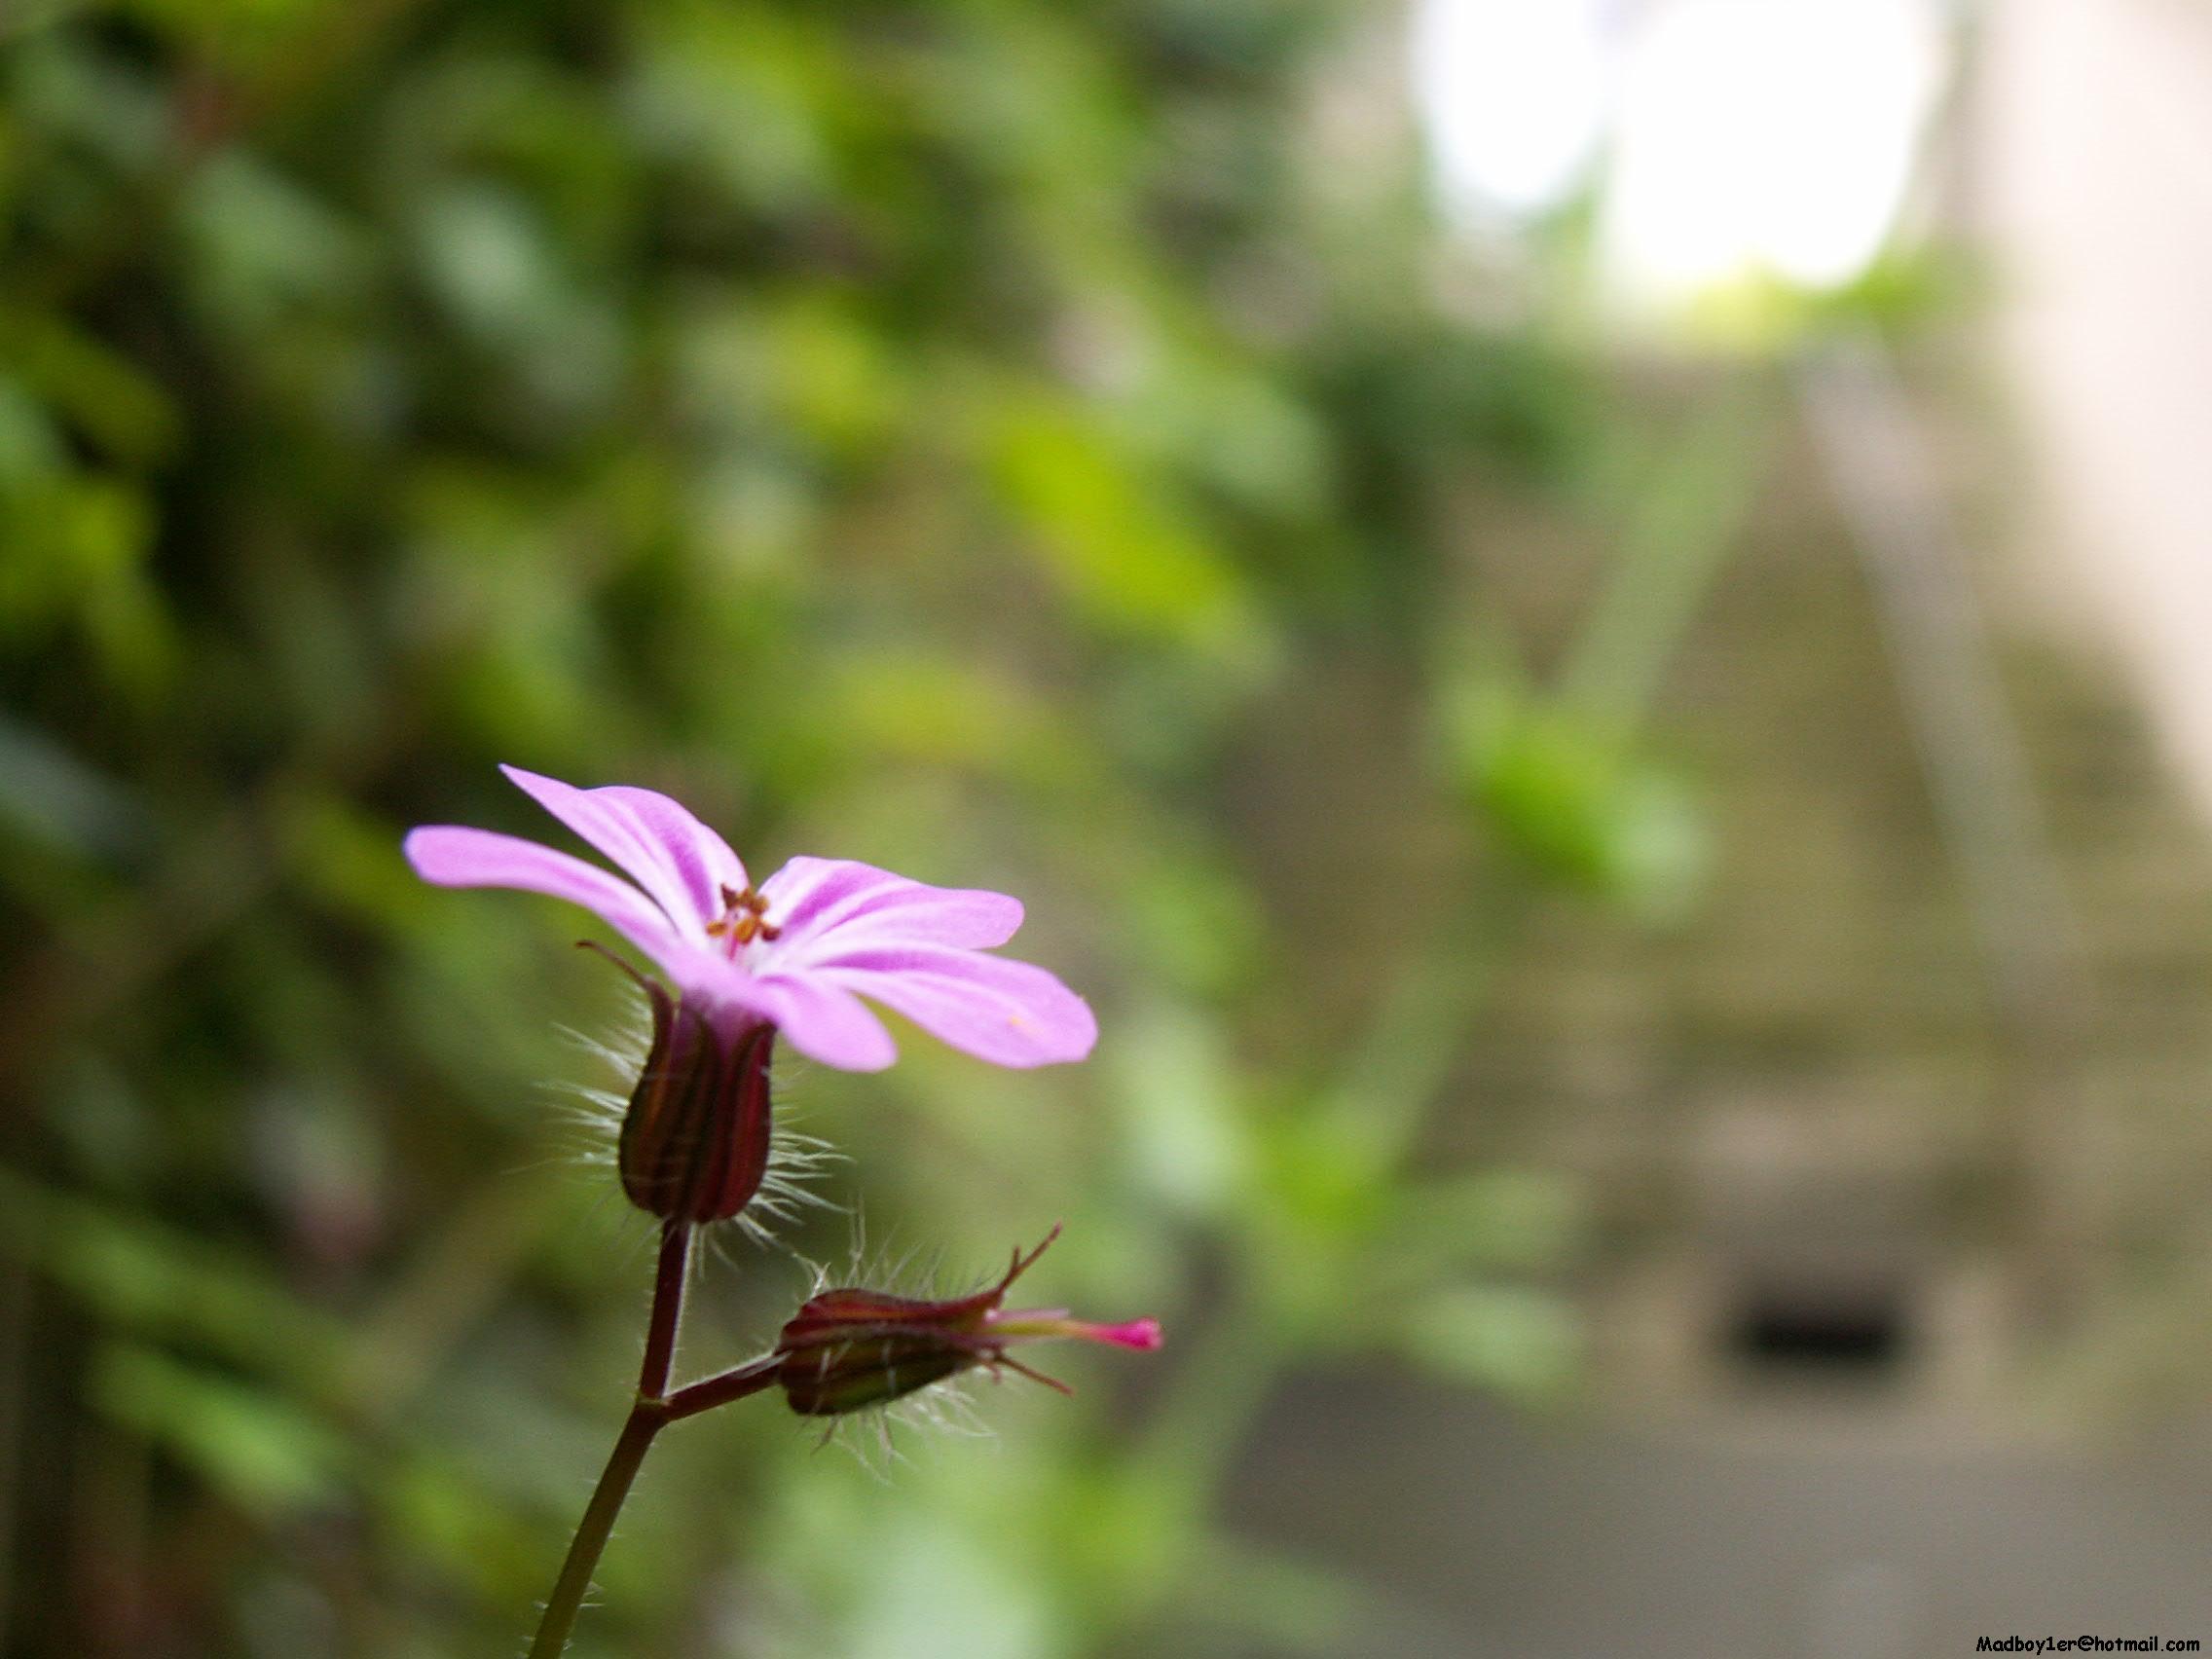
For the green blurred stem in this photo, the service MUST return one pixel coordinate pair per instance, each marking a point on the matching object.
(1683, 517)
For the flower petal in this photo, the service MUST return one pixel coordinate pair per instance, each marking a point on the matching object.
(824, 907)
(454, 857)
(826, 1023)
(1011, 1013)
(679, 863)
(451, 855)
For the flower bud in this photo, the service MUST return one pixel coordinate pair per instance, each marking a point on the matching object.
(694, 1141)
(849, 1348)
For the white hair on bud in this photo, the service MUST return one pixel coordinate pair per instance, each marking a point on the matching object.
(588, 1116)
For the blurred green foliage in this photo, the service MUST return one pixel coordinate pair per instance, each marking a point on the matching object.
(1016, 442)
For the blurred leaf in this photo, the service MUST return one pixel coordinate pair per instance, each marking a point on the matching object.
(348, 858)
(743, 98)
(830, 378)
(261, 246)
(47, 792)
(1237, 434)
(898, 703)
(486, 256)
(154, 1282)
(1178, 1094)
(103, 394)
(1126, 551)
(30, 443)
(1324, 1177)
(1497, 1218)
(1577, 806)
(241, 28)
(73, 539)
(249, 1444)
(1901, 292)
(1516, 1342)
(1199, 923)
(439, 1514)
(90, 100)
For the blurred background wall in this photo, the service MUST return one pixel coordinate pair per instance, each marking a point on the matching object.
(2096, 204)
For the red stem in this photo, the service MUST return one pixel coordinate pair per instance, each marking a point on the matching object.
(668, 1309)
(720, 1390)
(592, 1532)
(647, 1414)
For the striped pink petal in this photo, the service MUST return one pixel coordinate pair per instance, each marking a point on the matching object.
(454, 857)
(1011, 1013)
(826, 1023)
(817, 903)
(679, 863)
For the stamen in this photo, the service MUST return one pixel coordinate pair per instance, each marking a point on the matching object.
(744, 918)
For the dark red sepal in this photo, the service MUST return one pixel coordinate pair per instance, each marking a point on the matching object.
(694, 1142)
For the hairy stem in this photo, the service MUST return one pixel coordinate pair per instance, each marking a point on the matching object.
(720, 1390)
(668, 1310)
(592, 1532)
(646, 1415)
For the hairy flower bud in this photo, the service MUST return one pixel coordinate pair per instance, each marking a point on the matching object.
(851, 1347)
(694, 1142)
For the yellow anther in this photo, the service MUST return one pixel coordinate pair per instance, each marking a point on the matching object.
(744, 918)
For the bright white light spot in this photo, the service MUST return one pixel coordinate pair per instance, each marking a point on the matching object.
(1512, 96)
(1773, 135)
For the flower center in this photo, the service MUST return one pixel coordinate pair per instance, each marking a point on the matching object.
(744, 919)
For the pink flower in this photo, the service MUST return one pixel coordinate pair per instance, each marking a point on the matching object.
(798, 952)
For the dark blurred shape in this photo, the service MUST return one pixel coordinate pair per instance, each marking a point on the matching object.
(1779, 1330)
